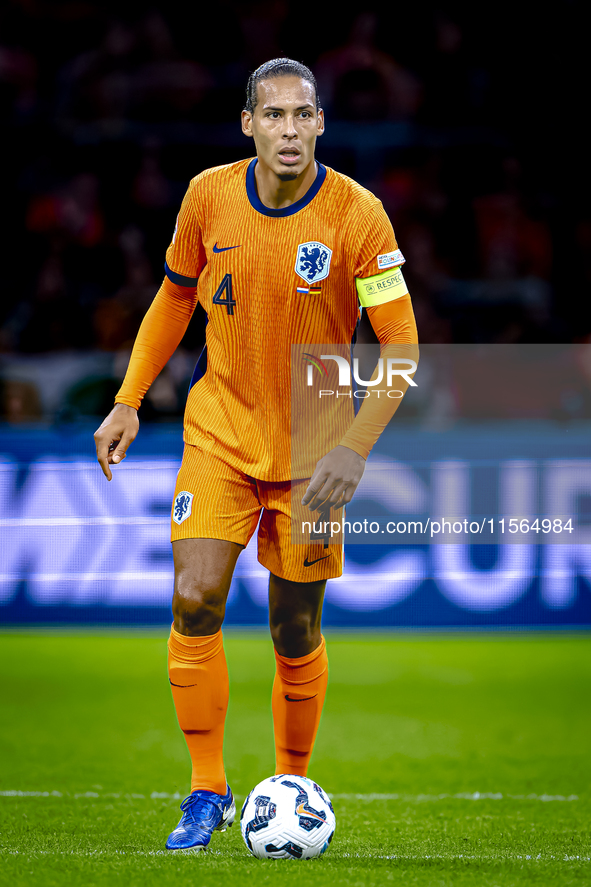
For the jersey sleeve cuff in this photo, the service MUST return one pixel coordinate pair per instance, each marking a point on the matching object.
(133, 402)
(179, 279)
(352, 442)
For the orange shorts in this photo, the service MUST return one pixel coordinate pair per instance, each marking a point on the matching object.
(213, 500)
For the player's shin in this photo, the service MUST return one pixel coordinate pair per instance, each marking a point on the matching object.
(199, 682)
(299, 690)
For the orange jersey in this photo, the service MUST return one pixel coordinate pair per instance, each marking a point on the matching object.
(268, 279)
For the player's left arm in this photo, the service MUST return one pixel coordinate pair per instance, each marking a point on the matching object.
(338, 474)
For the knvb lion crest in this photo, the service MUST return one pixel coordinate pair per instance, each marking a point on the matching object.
(181, 507)
(313, 261)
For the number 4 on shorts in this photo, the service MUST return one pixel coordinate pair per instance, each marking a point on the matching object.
(219, 298)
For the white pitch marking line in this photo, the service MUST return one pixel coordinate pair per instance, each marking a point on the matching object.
(176, 796)
(365, 857)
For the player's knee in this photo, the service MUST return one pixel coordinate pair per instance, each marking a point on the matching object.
(198, 608)
(194, 616)
(294, 634)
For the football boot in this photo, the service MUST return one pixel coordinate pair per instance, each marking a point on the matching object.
(203, 813)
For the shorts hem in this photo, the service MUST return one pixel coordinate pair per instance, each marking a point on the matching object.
(180, 537)
(302, 573)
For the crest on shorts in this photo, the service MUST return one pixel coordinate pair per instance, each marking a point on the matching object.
(181, 507)
(313, 261)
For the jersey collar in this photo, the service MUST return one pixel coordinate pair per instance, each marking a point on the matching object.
(260, 207)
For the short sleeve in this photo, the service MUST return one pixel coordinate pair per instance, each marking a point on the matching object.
(379, 249)
(185, 257)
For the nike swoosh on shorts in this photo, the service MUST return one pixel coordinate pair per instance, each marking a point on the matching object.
(308, 563)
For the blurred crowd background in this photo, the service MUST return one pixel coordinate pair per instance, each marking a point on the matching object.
(468, 121)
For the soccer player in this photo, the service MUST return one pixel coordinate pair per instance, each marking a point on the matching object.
(278, 249)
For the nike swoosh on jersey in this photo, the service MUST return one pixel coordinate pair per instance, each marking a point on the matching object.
(301, 699)
(308, 563)
(223, 249)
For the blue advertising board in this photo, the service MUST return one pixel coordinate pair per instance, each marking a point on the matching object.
(76, 549)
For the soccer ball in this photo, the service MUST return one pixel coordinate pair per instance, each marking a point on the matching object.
(287, 817)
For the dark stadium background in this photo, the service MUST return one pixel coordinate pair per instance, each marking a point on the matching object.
(468, 121)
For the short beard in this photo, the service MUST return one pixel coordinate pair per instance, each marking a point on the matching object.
(287, 176)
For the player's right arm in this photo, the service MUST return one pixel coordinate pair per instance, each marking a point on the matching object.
(161, 331)
(114, 436)
(159, 335)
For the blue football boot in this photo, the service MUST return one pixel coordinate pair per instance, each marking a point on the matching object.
(203, 813)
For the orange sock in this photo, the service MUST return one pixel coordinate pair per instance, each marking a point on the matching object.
(199, 683)
(298, 696)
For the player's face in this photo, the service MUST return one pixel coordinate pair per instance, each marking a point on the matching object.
(285, 125)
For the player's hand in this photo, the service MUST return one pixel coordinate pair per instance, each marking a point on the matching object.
(115, 435)
(335, 479)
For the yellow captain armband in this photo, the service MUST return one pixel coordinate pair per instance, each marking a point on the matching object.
(380, 288)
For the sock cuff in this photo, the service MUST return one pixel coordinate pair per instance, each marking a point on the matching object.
(194, 649)
(305, 668)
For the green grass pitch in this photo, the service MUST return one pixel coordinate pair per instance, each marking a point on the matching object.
(452, 760)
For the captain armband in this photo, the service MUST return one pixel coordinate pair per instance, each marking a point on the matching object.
(380, 288)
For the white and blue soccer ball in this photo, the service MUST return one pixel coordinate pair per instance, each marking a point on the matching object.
(287, 817)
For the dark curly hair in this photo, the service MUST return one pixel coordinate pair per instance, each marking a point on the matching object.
(277, 68)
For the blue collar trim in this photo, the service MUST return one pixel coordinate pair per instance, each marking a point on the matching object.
(260, 207)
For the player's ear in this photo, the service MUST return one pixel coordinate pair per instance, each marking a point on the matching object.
(320, 120)
(247, 123)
